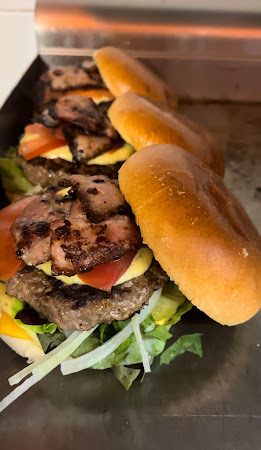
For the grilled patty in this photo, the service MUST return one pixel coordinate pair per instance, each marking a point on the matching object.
(47, 172)
(79, 307)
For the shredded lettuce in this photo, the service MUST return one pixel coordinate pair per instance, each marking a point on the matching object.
(50, 341)
(187, 343)
(128, 353)
(125, 375)
(13, 177)
(116, 346)
(105, 350)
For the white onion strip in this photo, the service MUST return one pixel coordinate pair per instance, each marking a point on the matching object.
(143, 351)
(17, 392)
(44, 366)
(97, 355)
(51, 360)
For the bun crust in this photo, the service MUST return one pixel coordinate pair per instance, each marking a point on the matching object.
(142, 123)
(198, 231)
(25, 348)
(122, 73)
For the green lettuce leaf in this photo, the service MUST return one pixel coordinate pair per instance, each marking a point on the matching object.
(187, 343)
(184, 308)
(87, 346)
(13, 177)
(50, 341)
(39, 329)
(155, 337)
(125, 375)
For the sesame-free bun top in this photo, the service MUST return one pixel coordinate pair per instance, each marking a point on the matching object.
(141, 123)
(198, 231)
(122, 73)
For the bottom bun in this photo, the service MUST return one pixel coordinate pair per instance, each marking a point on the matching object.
(23, 347)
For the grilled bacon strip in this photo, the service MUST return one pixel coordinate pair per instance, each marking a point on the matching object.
(88, 226)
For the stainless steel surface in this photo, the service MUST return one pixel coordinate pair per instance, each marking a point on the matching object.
(202, 55)
(213, 403)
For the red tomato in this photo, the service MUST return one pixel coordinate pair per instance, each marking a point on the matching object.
(9, 262)
(48, 139)
(104, 276)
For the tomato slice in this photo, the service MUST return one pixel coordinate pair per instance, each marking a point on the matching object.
(47, 139)
(38, 146)
(9, 262)
(104, 276)
(95, 94)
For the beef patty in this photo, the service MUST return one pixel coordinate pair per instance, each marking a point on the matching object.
(47, 172)
(78, 307)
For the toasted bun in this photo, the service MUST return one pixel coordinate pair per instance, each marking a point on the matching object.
(142, 123)
(121, 74)
(25, 348)
(198, 231)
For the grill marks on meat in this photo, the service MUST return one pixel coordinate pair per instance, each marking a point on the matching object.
(85, 124)
(60, 229)
(31, 229)
(100, 196)
(48, 172)
(78, 307)
(54, 83)
(85, 245)
(83, 112)
(85, 146)
(71, 77)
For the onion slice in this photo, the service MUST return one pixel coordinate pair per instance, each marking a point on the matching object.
(51, 360)
(100, 353)
(17, 392)
(143, 351)
(45, 365)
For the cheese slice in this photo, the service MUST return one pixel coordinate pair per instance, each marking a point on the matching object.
(60, 152)
(138, 266)
(101, 99)
(64, 152)
(113, 156)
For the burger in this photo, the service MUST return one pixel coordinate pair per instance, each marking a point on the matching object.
(112, 73)
(105, 289)
(72, 134)
(82, 130)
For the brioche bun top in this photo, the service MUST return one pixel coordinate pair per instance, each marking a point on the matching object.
(198, 231)
(142, 123)
(122, 73)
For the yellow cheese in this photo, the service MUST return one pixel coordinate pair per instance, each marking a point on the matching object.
(46, 268)
(102, 99)
(112, 157)
(138, 266)
(60, 152)
(63, 192)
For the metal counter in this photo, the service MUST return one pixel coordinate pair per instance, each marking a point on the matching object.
(212, 403)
